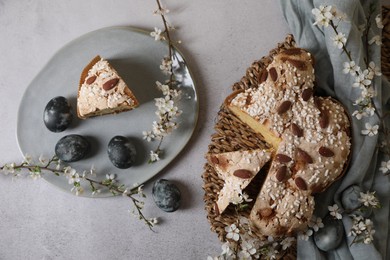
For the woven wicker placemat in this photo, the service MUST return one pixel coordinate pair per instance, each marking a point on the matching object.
(232, 135)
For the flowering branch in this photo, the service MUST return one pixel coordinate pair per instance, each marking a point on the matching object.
(54, 166)
(167, 110)
(364, 79)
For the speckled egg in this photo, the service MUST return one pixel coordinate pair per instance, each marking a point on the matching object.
(121, 152)
(72, 148)
(350, 201)
(166, 195)
(57, 115)
(330, 236)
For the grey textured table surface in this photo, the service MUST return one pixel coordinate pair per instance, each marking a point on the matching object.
(38, 221)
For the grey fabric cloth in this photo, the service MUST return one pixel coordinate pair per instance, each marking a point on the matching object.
(365, 163)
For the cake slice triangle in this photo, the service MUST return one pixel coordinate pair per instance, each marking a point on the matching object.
(102, 91)
(237, 169)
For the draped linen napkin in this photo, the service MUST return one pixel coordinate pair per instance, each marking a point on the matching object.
(331, 81)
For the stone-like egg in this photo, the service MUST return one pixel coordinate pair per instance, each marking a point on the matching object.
(57, 115)
(330, 236)
(72, 148)
(166, 195)
(121, 152)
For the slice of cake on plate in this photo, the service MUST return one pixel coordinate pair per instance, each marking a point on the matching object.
(102, 91)
(237, 169)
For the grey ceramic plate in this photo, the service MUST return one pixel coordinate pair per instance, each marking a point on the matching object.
(136, 56)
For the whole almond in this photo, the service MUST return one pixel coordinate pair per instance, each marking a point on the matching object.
(214, 159)
(110, 84)
(318, 103)
(243, 174)
(284, 107)
(324, 120)
(281, 173)
(297, 64)
(303, 156)
(301, 184)
(296, 130)
(326, 152)
(307, 93)
(282, 158)
(264, 76)
(265, 212)
(292, 51)
(90, 80)
(273, 73)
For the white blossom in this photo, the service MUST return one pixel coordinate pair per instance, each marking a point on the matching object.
(369, 110)
(361, 80)
(35, 175)
(92, 171)
(248, 250)
(27, 159)
(95, 191)
(359, 114)
(378, 20)
(226, 250)
(161, 11)
(9, 168)
(166, 66)
(374, 70)
(362, 228)
(78, 190)
(350, 67)
(111, 177)
(376, 39)
(385, 167)
(153, 221)
(323, 15)
(148, 135)
(304, 235)
(339, 40)
(368, 92)
(335, 211)
(315, 223)
(154, 156)
(369, 199)
(157, 34)
(163, 87)
(287, 242)
(232, 232)
(370, 130)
